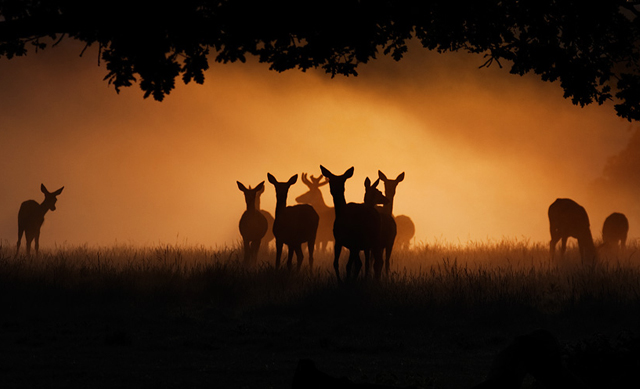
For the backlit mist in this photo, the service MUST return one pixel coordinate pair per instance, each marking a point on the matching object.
(484, 152)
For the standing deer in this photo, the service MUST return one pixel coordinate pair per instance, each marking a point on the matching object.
(372, 198)
(253, 224)
(356, 227)
(615, 230)
(268, 237)
(389, 227)
(31, 217)
(327, 214)
(293, 225)
(568, 219)
(406, 231)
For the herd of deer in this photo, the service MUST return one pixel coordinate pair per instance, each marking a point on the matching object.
(369, 226)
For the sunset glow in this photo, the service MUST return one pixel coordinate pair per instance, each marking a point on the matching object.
(484, 152)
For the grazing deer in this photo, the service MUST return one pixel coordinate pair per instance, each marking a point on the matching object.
(389, 227)
(406, 231)
(268, 237)
(31, 217)
(356, 227)
(253, 224)
(327, 214)
(293, 225)
(614, 231)
(568, 219)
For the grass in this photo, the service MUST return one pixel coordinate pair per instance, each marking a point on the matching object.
(444, 303)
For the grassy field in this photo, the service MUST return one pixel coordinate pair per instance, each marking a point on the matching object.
(179, 316)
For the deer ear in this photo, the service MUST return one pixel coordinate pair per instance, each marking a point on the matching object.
(240, 186)
(44, 189)
(260, 187)
(58, 191)
(293, 179)
(376, 183)
(325, 172)
(382, 176)
(272, 179)
(348, 173)
(400, 177)
(367, 183)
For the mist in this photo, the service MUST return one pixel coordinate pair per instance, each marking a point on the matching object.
(484, 152)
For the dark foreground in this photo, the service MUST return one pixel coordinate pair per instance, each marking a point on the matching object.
(58, 334)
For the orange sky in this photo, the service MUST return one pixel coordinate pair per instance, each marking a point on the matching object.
(484, 152)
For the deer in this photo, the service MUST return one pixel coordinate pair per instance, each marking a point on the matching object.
(356, 227)
(327, 214)
(374, 198)
(614, 231)
(293, 225)
(31, 217)
(268, 237)
(389, 227)
(569, 219)
(253, 225)
(405, 231)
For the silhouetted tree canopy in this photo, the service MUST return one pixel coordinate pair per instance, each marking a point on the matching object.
(590, 48)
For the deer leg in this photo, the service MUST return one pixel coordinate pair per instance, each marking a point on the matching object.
(311, 248)
(563, 246)
(299, 256)
(20, 232)
(255, 247)
(278, 252)
(37, 242)
(290, 251)
(378, 262)
(247, 250)
(337, 248)
(357, 262)
(387, 260)
(28, 239)
(552, 246)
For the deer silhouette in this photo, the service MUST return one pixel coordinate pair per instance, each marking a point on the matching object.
(405, 231)
(31, 217)
(268, 237)
(326, 213)
(569, 219)
(389, 227)
(293, 225)
(372, 198)
(356, 227)
(253, 225)
(615, 230)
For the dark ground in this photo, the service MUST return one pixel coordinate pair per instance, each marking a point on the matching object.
(72, 341)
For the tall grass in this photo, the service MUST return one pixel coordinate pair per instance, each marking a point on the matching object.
(467, 275)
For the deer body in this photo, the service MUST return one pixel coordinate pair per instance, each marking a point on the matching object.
(356, 226)
(568, 219)
(615, 230)
(31, 217)
(326, 213)
(389, 227)
(405, 231)
(253, 224)
(293, 225)
(268, 237)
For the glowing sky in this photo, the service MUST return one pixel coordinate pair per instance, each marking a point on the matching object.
(484, 152)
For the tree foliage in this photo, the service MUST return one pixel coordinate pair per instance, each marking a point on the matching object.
(589, 48)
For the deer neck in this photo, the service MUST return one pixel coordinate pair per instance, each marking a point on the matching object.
(251, 205)
(281, 204)
(339, 202)
(43, 208)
